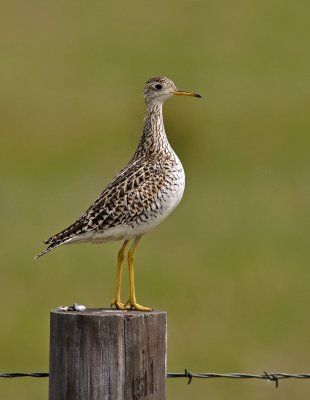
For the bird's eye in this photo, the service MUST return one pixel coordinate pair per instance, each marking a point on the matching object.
(158, 86)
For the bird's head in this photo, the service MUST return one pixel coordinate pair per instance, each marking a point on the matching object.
(160, 88)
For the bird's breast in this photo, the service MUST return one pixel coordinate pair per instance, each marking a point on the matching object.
(172, 188)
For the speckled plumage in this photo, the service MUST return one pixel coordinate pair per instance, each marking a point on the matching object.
(139, 197)
(144, 192)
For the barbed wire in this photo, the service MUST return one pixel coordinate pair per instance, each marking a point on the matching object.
(273, 377)
(24, 374)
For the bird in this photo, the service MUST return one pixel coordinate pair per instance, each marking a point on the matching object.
(139, 197)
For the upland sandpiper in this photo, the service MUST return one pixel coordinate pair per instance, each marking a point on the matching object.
(140, 196)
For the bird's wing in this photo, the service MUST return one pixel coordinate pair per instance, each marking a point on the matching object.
(130, 194)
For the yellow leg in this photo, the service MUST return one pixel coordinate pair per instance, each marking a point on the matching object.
(117, 299)
(132, 301)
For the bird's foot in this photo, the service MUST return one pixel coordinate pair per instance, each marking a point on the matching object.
(132, 305)
(118, 304)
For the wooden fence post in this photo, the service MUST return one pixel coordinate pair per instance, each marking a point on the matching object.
(108, 355)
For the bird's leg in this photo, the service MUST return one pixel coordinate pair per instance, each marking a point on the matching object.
(132, 301)
(117, 299)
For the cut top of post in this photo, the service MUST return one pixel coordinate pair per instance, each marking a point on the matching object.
(107, 312)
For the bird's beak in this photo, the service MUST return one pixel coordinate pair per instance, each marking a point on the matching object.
(184, 93)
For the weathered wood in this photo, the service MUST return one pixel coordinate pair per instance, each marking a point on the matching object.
(107, 354)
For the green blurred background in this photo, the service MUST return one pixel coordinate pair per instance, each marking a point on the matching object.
(231, 265)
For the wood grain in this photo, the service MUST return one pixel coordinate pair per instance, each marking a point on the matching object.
(107, 354)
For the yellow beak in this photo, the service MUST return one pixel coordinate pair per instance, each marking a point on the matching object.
(184, 93)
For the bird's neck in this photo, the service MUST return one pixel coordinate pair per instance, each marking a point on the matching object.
(153, 140)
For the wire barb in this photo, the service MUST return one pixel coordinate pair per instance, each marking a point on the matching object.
(189, 375)
(272, 378)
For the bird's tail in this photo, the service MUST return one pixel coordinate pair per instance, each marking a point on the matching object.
(49, 248)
